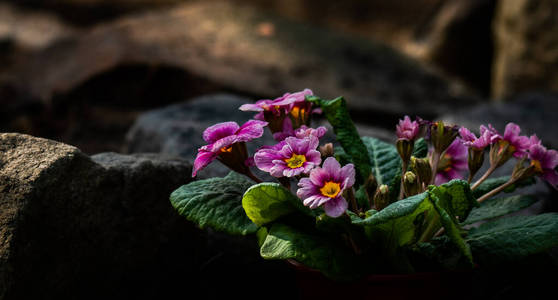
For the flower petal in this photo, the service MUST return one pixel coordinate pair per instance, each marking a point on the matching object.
(219, 131)
(203, 159)
(336, 207)
(252, 129)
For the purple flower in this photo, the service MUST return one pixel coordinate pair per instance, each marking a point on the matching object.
(261, 106)
(305, 131)
(302, 132)
(545, 161)
(407, 130)
(290, 157)
(452, 163)
(488, 136)
(297, 107)
(518, 144)
(325, 187)
(226, 142)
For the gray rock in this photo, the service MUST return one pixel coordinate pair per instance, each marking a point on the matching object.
(525, 47)
(75, 227)
(534, 112)
(222, 42)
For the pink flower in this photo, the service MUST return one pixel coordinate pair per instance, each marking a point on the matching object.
(275, 111)
(488, 136)
(325, 187)
(452, 163)
(545, 161)
(290, 157)
(407, 130)
(302, 132)
(261, 106)
(518, 144)
(226, 143)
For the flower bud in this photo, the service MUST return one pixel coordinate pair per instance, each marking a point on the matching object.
(381, 198)
(405, 149)
(442, 135)
(326, 150)
(521, 172)
(411, 184)
(370, 186)
(475, 160)
(421, 167)
(501, 152)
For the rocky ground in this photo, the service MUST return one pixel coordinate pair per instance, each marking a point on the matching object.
(103, 105)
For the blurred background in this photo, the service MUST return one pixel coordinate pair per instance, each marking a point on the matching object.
(82, 71)
(135, 76)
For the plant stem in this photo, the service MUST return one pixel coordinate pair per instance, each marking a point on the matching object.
(435, 161)
(470, 178)
(484, 177)
(253, 177)
(496, 190)
(401, 186)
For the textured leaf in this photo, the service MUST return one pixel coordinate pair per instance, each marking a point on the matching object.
(455, 198)
(336, 113)
(266, 202)
(452, 229)
(396, 223)
(438, 254)
(384, 158)
(513, 238)
(496, 207)
(493, 183)
(331, 257)
(421, 148)
(215, 202)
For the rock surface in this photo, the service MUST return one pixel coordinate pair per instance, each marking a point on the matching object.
(534, 112)
(74, 227)
(526, 51)
(249, 51)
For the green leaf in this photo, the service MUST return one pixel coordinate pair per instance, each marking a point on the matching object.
(492, 183)
(266, 202)
(215, 202)
(440, 253)
(421, 148)
(338, 116)
(496, 207)
(331, 257)
(509, 239)
(455, 198)
(452, 229)
(386, 163)
(396, 223)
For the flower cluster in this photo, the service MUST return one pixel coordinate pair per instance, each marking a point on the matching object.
(293, 157)
(323, 182)
(456, 150)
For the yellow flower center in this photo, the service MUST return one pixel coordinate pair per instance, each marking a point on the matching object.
(330, 189)
(537, 165)
(296, 112)
(296, 161)
(226, 149)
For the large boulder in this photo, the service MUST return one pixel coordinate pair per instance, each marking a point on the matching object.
(75, 227)
(244, 49)
(526, 47)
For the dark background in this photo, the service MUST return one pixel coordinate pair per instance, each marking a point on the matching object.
(83, 72)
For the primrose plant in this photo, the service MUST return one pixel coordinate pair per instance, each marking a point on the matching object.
(361, 205)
